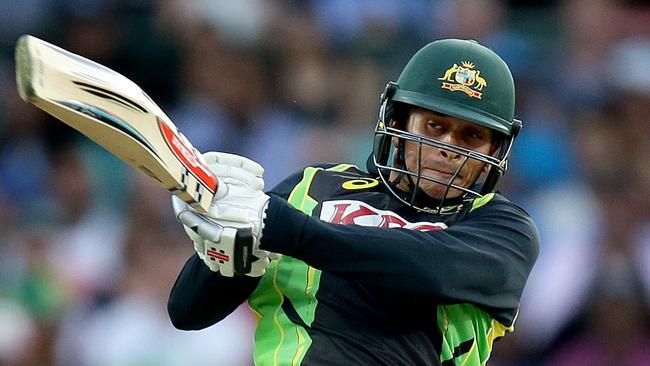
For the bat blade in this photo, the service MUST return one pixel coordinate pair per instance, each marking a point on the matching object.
(116, 113)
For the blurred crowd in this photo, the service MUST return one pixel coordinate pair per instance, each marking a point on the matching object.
(89, 248)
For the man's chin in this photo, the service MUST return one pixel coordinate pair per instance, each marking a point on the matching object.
(435, 191)
(439, 194)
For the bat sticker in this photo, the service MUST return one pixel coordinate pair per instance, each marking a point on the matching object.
(186, 155)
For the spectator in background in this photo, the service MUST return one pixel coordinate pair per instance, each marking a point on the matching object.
(617, 324)
(601, 217)
(228, 104)
(22, 144)
(17, 335)
(130, 327)
(85, 246)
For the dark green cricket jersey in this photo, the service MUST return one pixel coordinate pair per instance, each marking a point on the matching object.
(431, 290)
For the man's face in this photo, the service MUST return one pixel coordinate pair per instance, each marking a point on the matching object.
(439, 163)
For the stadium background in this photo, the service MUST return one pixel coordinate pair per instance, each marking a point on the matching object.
(86, 263)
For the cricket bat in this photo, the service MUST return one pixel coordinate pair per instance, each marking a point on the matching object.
(114, 112)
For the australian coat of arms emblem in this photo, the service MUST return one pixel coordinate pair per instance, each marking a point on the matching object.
(464, 78)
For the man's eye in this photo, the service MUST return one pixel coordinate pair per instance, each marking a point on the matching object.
(475, 135)
(434, 125)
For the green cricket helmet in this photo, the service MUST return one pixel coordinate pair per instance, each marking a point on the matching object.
(458, 78)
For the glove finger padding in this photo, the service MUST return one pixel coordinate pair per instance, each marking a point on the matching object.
(237, 176)
(233, 160)
(241, 205)
(235, 169)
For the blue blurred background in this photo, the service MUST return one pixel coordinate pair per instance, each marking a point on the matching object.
(89, 249)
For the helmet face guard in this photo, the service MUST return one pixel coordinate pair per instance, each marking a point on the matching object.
(457, 78)
(388, 157)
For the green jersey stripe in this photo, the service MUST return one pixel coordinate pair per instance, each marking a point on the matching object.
(279, 341)
(481, 201)
(468, 334)
(341, 167)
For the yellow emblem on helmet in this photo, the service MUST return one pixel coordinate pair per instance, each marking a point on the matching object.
(464, 78)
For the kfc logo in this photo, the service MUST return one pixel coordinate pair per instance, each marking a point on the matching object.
(346, 212)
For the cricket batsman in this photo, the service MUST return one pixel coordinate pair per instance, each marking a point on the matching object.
(416, 260)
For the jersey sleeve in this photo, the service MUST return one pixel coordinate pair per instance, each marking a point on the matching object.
(201, 298)
(484, 259)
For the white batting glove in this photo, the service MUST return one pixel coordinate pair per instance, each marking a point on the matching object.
(227, 248)
(227, 237)
(240, 197)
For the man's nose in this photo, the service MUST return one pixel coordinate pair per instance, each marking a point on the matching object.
(448, 154)
(448, 138)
